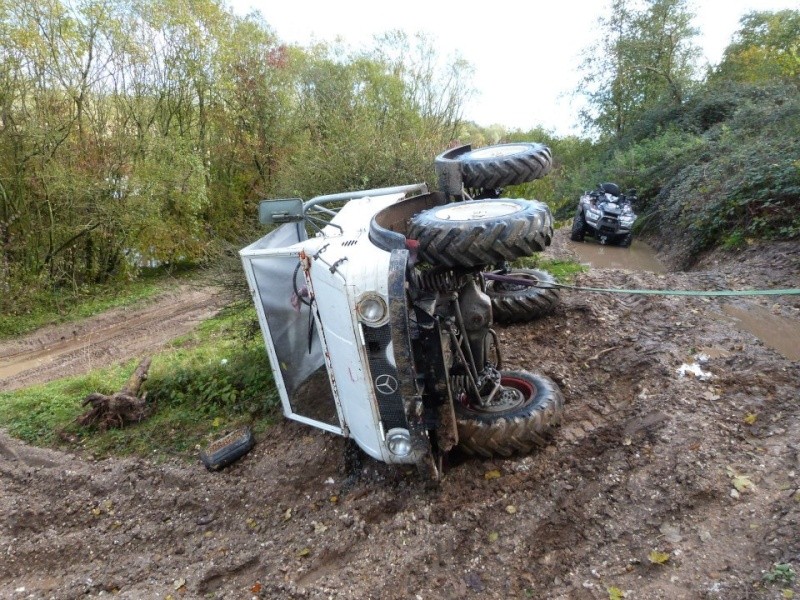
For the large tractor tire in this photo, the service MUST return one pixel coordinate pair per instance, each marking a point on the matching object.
(494, 167)
(481, 232)
(526, 411)
(515, 302)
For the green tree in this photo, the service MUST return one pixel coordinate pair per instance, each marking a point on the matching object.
(133, 131)
(642, 58)
(766, 47)
(374, 118)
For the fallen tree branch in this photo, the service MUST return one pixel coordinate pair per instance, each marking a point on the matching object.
(119, 409)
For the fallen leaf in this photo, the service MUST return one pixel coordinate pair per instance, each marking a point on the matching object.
(96, 512)
(256, 588)
(750, 418)
(493, 474)
(494, 536)
(511, 509)
(304, 552)
(742, 483)
(319, 527)
(251, 523)
(287, 515)
(179, 583)
(334, 499)
(788, 594)
(216, 422)
(614, 593)
(658, 558)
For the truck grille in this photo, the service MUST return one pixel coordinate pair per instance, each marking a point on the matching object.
(385, 378)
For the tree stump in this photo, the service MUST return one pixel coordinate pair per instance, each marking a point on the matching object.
(119, 409)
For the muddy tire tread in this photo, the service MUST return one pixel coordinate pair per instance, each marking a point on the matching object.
(481, 242)
(497, 172)
(514, 434)
(525, 304)
(578, 228)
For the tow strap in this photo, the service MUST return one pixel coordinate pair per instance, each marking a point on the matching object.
(533, 283)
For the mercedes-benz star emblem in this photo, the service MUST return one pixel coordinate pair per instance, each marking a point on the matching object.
(386, 384)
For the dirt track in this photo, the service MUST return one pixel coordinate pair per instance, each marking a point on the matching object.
(647, 460)
(114, 336)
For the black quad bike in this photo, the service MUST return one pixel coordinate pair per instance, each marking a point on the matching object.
(605, 214)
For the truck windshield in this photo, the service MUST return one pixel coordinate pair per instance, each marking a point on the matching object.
(289, 332)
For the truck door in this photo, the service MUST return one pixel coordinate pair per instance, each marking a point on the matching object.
(277, 285)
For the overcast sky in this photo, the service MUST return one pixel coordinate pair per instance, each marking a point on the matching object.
(525, 52)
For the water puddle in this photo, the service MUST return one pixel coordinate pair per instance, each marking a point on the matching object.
(10, 368)
(14, 364)
(639, 257)
(779, 333)
(712, 352)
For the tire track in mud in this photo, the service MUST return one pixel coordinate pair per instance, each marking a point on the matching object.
(113, 337)
(640, 448)
(625, 342)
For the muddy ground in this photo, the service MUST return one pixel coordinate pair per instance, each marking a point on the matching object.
(657, 485)
(111, 337)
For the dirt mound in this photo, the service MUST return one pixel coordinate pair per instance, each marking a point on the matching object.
(674, 475)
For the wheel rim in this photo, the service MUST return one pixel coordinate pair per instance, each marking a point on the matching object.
(498, 151)
(513, 394)
(469, 211)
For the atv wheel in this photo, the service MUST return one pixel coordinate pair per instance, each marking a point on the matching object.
(626, 240)
(494, 167)
(521, 418)
(512, 302)
(481, 232)
(578, 228)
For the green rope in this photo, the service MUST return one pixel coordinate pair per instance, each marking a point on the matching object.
(788, 292)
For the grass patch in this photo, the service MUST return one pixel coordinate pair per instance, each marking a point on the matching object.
(563, 270)
(208, 382)
(31, 310)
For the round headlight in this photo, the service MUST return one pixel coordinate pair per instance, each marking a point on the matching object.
(372, 309)
(398, 440)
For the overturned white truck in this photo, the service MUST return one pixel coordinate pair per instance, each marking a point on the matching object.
(378, 326)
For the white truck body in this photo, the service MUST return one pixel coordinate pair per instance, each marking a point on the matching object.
(338, 268)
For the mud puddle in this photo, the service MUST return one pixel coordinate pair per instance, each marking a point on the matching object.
(779, 333)
(17, 363)
(110, 338)
(639, 257)
(10, 368)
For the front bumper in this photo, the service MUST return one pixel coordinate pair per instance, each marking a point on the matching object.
(608, 226)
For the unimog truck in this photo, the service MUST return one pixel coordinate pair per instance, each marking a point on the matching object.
(377, 310)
